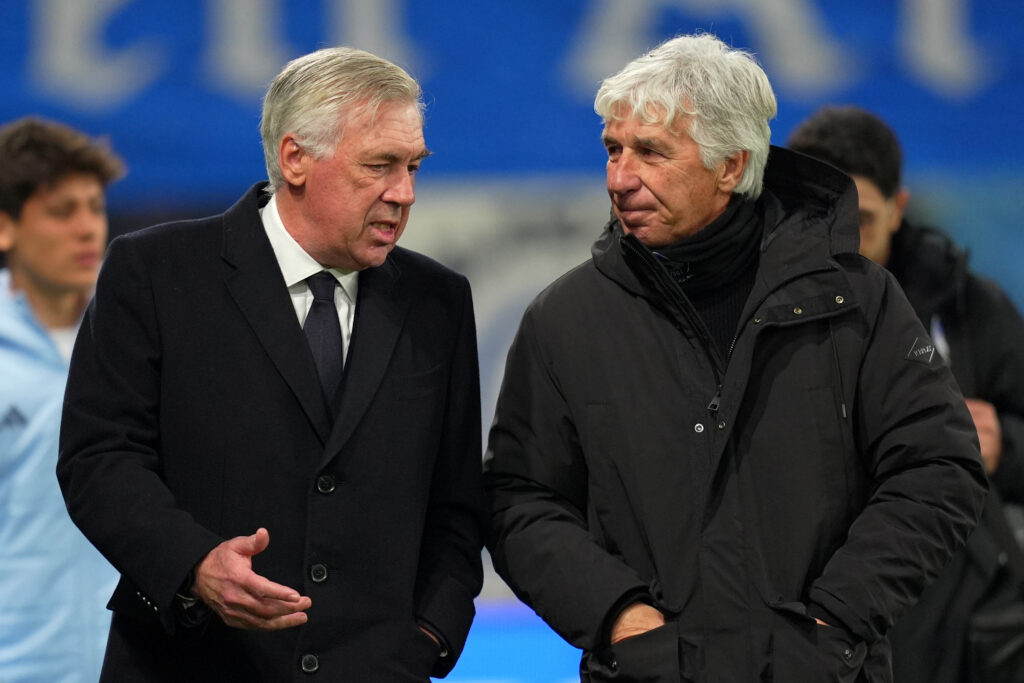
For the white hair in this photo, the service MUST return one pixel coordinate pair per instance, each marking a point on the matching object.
(313, 95)
(722, 91)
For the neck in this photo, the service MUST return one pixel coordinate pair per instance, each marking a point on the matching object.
(54, 309)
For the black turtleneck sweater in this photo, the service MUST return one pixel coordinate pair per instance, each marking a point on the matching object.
(716, 268)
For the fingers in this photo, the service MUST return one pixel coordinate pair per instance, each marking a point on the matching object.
(253, 602)
(252, 611)
(244, 599)
(260, 540)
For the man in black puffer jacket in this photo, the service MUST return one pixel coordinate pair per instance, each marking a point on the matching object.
(949, 636)
(725, 450)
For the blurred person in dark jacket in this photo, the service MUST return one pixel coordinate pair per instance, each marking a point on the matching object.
(53, 231)
(724, 448)
(976, 327)
(272, 420)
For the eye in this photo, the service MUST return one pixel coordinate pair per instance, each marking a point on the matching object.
(62, 210)
(613, 151)
(649, 153)
(377, 168)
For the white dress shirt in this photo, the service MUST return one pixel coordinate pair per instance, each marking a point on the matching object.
(296, 265)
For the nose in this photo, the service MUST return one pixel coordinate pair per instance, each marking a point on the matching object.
(621, 174)
(90, 223)
(402, 189)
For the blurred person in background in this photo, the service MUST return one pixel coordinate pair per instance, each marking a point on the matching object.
(53, 231)
(722, 450)
(272, 420)
(975, 326)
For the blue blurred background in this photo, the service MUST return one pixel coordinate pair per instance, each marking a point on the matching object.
(514, 193)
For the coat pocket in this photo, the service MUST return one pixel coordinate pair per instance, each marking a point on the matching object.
(651, 657)
(803, 650)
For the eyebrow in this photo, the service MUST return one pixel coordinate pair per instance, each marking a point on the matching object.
(652, 143)
(392, 158)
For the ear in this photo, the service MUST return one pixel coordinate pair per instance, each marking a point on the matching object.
(731, 171)
(292, 160)
(7, 226)
(899, 206)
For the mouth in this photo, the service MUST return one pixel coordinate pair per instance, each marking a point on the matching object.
(631, 216)
(90, 259)
(385, 231)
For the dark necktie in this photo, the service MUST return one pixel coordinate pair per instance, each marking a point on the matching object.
(323, 332)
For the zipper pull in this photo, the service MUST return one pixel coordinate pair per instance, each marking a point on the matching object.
(716, 401)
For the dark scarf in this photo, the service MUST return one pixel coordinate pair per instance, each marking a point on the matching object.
(716, 268)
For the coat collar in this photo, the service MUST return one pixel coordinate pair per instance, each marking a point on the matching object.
(255, 282)
(380, 315)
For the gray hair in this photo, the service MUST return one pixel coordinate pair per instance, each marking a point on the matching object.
(313, 95)
(722, 91)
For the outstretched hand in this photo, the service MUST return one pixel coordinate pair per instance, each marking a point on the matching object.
(226, 582)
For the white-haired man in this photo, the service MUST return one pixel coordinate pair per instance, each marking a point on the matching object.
(271, 425)
(724, 449)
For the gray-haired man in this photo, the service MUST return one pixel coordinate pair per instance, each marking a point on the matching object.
(725, 449)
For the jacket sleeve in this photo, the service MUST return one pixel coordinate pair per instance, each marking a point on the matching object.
(536, 479)
(450, 573)
(109, 463)
(919, 447)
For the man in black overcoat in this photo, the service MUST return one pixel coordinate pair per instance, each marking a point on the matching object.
(271, 425)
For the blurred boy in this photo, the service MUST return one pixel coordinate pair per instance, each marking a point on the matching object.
(53, 231)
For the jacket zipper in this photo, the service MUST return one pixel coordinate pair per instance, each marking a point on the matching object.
(681, 302)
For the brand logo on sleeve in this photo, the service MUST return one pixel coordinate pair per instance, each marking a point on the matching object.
(922, 351)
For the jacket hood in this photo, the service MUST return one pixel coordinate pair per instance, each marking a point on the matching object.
(807, 205)
(930, 268)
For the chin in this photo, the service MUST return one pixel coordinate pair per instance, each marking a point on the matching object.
(374, 258)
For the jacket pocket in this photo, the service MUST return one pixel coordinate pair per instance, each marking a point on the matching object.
(651, 657)
(805, 651)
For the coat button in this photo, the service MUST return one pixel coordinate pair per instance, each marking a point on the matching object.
(309, 663)
(847, 654)
(699, 428)
(840, 299)
(318, 573)
(757, 321)
(721, 425)
(798, 311)
(325, 483)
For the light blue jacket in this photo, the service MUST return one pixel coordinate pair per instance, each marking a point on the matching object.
(53, 584)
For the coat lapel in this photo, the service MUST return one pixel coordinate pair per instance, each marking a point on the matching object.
(380, 313)
(257, 286)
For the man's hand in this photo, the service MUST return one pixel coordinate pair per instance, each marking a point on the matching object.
(226, 582)
(636, 619)
(990, 435)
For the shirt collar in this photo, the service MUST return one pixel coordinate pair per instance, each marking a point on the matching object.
(296, 265)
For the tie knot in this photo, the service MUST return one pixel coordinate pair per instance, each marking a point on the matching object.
(322, 285)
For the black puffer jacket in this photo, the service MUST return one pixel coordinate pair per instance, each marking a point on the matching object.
(828, 467)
